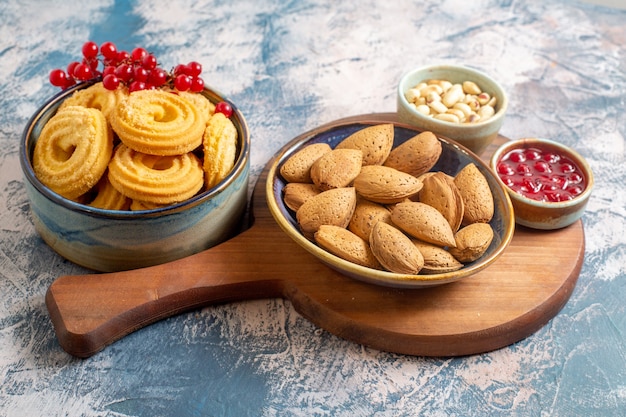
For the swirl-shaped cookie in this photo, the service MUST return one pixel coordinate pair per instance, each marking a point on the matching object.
(108, 197)
(96, 97)
(73, 150)
(158, 122)
(203, 104)
(220, 149)
(160, 179)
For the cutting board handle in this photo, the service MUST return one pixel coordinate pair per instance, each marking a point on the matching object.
(91, 311)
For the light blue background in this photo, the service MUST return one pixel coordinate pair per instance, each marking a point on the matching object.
(292, 66)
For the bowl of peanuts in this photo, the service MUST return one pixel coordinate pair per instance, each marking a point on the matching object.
(385, 203)
(454, 101)
(110, 204)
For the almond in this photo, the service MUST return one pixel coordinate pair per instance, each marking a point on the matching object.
(472, 241)
(437, 260)
(296, 193)
(476, 195)
(297, 167)
(423, 222)
(334, 207)
(374, 141)
(336, 169)
(346, 245)
(394, 250)
(440, 192)
(366, 215)
(417, 155)
(385, 185)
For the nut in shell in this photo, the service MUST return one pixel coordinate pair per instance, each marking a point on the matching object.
(476, 194)
(297, 193)
(366, 215)
(346, 245)
(417, 155)
(334, 207)
(337, 168)
(472, 241)
(386, 185)
(440, 192)
(394, 250)
(437, 260)
(374, 141)
(298, 167)
(423, 222)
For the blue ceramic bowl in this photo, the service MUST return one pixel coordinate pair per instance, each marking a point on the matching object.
(109, 240)
(474, 136)
(453, 158)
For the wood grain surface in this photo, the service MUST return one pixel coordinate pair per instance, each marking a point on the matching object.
(503, 304)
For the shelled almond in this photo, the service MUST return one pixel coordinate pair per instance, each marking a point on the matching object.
(384, 207)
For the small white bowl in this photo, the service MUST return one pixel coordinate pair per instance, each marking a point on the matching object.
(474, 136)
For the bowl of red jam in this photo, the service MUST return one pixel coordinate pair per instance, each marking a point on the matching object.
(549, 183)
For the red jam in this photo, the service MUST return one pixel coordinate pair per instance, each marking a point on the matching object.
(541, 174)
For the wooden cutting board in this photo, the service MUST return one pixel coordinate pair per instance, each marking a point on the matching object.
(500, 305)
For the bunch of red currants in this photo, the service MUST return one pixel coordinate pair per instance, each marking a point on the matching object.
(137, 70)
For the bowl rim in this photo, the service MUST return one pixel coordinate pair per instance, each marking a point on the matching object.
(50, 106)
(498, 115)
(578, 158)
(362, 273)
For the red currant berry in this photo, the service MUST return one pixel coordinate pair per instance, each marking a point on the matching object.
(82, 72)
(157, 77)
(138, 54)
(122, 56)
(136, 86)
(70, 82)
(224, 108)
(110, 82)
(90, 50)
(124, 72)
(179, 69)
(182, 82)
(109, 69)
(70, 68)
(149, 62)
(140, 74)
(58, 78)
(193, 69)
(197, 84)
(91, 63)
(108, 51)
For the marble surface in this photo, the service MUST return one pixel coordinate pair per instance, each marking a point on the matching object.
(292, 66)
